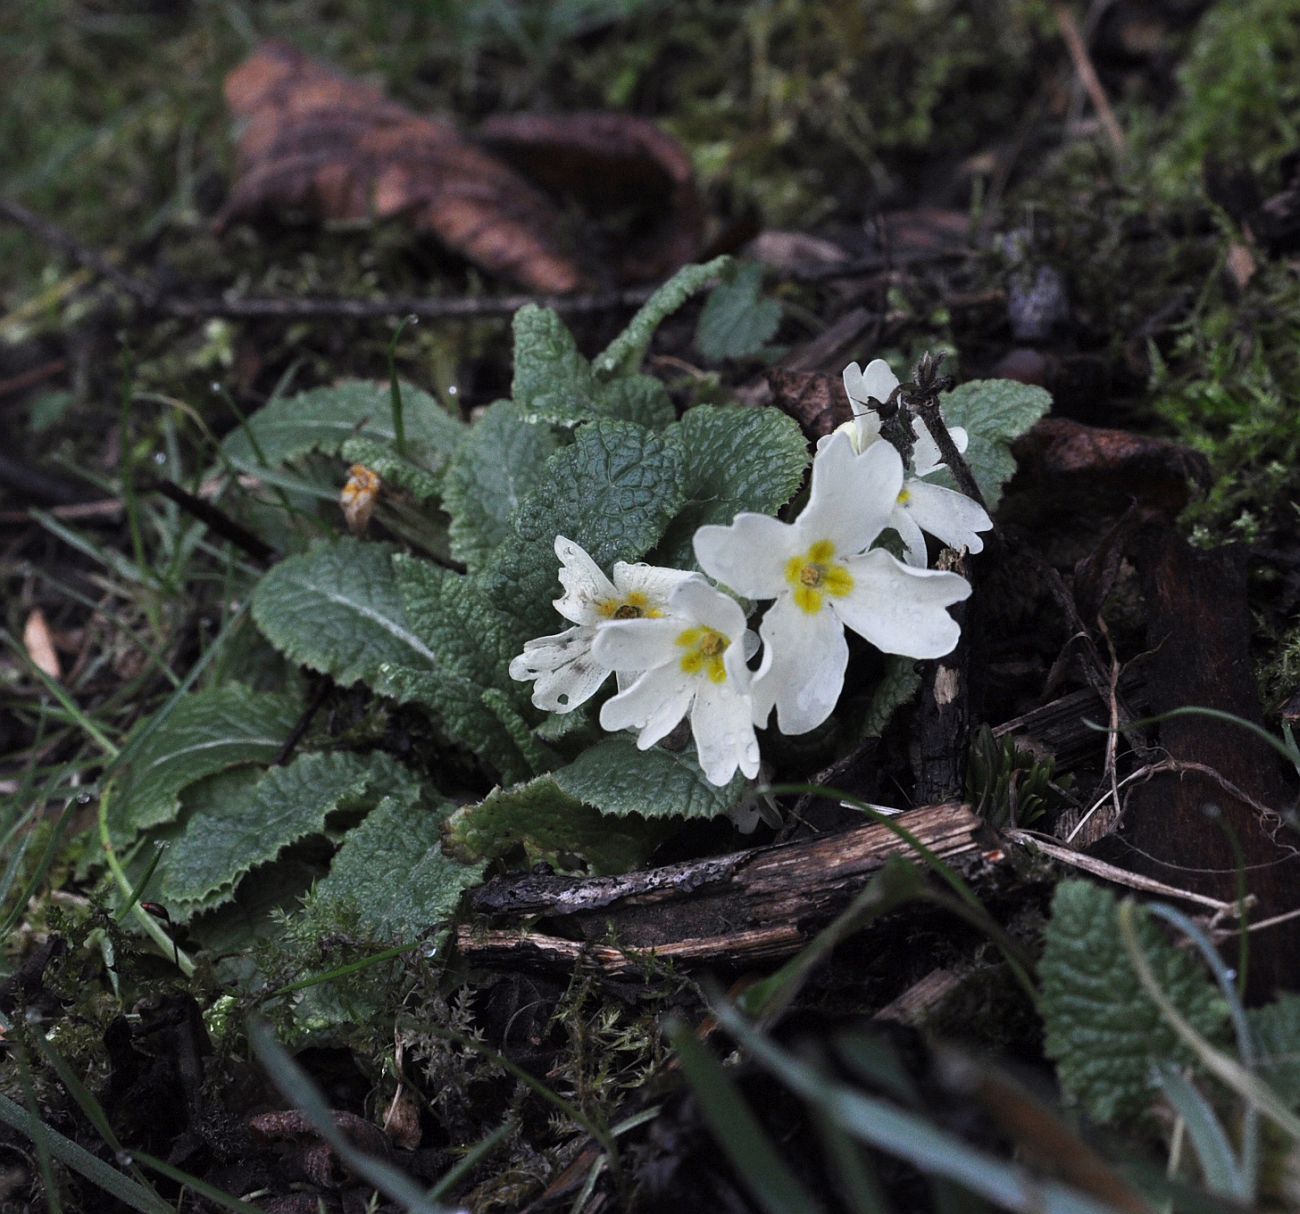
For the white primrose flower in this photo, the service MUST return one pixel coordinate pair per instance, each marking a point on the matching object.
(823, 581)
(949, 516)
(692, 659)
(565, 671)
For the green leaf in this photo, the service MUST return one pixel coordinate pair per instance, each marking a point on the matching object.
(1103, 1031)
(552, 380)
(391, 869)
(233, 921)
(618, 779)
(338, 609)
(994, 412)
(474, 643)
(391, 468)
(737, 459)
(554, 383)
(613, 490)
(624, 354)
(324, 418)
(498, 465)
(223, 840)
(1276, 1029)
(205, 733)
(898, 686)
(637, 398)
(737, 321)
(551, 826)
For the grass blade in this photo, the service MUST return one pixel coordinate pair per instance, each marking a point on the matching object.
(909, 1136)
(298, 1089)
(1219, 1167)
(82, 1161)
(752, 1153)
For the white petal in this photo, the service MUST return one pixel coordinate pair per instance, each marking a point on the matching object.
(697, 601)
(724, 733)
(636, 644)
(914, 549)
(653, 705)
(877, 382)
(585, 585)
(926, 457)
(900, 609)
(852, 496)
(749, 556)
(803, 667)
(654, 581)
(563, 668)
(947, 515)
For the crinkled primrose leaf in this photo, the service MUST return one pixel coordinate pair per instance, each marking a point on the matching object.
(554, 383)
(206, 732)
(501, 462)
(625, 352)
(736, 321)
(1276, 1029)
(618, 779)
(401, 835)
(474, 642)
(323, 419)
(228, 838)
(994, 413)
(613, 490)
(736, 459)
(1103, 1031)
(338, 609)
(392, 469)
(552, 827)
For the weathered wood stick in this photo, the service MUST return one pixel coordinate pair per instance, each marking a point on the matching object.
(748, 907)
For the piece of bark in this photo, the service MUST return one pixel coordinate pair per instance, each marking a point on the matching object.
(1060, 728)
(1199, 634)
(1073, 467)
(815, 400)
(746, 908)
(941, 725)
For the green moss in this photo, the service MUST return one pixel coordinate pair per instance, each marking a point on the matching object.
(1240, 91)
(1228, 385)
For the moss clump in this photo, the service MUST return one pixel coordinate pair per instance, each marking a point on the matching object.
(1240, 90)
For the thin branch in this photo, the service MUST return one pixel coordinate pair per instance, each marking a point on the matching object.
(82, 254)
(1088, 76)
(1109, 872)
(169, 302)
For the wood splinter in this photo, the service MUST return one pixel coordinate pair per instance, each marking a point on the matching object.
(750, 907)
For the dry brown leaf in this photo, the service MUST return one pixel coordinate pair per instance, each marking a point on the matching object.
(310, 136)
(816, 401)
(39, 643)
(613, 165)
(358, 498)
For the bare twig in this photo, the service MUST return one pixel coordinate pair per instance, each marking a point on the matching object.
(1109, 872)
(169, 302)
(215, 519)
(1088, 76)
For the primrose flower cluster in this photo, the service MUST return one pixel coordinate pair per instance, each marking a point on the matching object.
(677, 643)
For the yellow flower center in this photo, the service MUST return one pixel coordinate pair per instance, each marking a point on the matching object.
(812, 576)
(634, 607)
(904, 496)
(704, 649)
